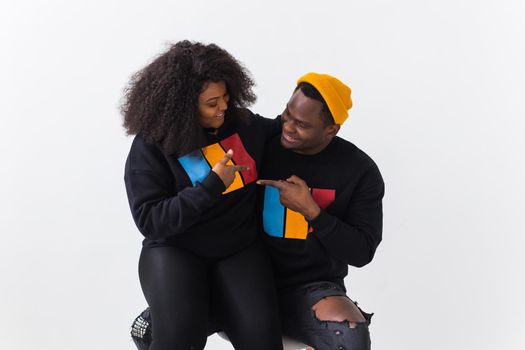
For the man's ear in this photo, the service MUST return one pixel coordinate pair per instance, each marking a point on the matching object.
(333, 129)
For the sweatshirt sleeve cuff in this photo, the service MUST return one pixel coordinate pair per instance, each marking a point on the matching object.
(213, 184)
(323, 223)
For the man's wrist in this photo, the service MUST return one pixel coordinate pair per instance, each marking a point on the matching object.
(312, 213)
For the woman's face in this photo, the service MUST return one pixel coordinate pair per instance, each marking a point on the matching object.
(213, 103)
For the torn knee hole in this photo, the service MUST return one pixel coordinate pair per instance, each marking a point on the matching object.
(350, 323)
(325, 318)
(337, 317)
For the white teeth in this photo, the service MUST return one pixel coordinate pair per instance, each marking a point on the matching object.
(288, 138)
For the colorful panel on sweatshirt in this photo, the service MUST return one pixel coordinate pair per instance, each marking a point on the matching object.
(323, 197)
(279, 221)
(241, 157)
(296, 225)
(273, 212)
(195, 166)
(198, 164)
(213, 154)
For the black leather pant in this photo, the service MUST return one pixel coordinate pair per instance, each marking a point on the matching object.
(187, 294)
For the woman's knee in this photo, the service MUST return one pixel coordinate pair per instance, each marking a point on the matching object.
(178, 333)
(177, 341)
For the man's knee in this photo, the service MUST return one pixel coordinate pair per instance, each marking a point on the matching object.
(345, 322)
(338, 309)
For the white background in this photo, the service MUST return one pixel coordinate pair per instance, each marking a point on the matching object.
(439, 93)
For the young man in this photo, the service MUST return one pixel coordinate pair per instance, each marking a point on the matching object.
(322, 211)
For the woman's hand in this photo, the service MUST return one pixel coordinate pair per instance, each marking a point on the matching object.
(227, 172)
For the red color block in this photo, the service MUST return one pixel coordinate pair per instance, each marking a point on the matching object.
(323, 197)
(240, 157)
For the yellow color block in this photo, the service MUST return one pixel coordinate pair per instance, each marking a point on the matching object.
(213, 154)
(296, 225)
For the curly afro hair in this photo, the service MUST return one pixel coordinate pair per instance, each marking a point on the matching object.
(161, 101)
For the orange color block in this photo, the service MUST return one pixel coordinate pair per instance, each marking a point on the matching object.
(296, 225)
(213, 154)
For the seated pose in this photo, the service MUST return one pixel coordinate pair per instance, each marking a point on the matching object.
(190, 179)
(321, 211)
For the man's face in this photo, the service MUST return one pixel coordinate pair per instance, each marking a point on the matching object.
(303, 129)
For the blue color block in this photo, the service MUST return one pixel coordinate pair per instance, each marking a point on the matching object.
(195, 166)
(273, 212)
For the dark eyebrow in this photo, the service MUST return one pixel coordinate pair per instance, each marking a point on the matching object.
(214, 98)
(287, 110)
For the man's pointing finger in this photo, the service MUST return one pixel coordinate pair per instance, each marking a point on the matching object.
(277, 184)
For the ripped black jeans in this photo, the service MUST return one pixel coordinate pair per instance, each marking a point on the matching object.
(300, 322)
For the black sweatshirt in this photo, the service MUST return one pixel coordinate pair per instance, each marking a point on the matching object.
(180, 201)
(348, 187)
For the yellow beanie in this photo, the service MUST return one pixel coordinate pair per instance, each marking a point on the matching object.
(334, 92)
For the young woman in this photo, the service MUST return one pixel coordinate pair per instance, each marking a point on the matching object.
(190, 179)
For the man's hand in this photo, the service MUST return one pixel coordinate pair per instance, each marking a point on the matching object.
(227, 172)
(295, 195)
